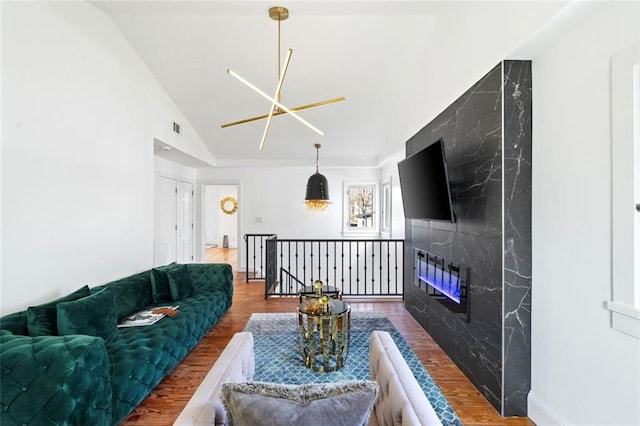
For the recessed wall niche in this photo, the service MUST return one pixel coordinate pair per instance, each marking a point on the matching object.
(487, 137)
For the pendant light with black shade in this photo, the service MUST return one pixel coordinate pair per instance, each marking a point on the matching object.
(317, 198)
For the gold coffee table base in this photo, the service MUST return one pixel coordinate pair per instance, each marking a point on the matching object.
(324, 335)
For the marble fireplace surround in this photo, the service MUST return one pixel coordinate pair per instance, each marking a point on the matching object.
(487, 137)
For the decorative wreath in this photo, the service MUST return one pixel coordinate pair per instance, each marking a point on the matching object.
(223, 205)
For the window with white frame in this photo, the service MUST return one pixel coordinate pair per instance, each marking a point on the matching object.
(385, 222)
(360, 209)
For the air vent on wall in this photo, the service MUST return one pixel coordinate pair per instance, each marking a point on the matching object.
(176, 127)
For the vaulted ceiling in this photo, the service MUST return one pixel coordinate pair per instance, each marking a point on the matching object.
(397, 63)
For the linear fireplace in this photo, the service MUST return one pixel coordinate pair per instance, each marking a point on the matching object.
(444, 281)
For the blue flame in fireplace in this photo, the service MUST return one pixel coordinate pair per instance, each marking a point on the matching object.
(443, 281)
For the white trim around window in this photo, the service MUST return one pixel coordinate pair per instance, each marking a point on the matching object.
(625, 166)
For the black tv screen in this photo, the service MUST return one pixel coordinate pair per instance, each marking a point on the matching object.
(425, 185)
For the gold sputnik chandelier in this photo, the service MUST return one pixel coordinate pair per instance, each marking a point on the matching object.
(278, 13)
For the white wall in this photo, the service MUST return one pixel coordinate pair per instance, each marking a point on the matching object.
(210, 219)
(166, 168)
(583, 371)
(80, 113)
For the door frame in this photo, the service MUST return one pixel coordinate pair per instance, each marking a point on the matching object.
(200, 220)
(192, 229)
(176, 179)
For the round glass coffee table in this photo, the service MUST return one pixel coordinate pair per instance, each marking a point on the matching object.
(323, 332)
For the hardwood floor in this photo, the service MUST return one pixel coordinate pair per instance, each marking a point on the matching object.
(169, 398)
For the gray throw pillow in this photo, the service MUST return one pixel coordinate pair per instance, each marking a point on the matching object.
(327, 404)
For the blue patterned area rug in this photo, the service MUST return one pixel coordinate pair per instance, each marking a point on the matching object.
(278, 357)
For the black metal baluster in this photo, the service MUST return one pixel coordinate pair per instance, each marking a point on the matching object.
(304, 262)
(335, 269)
(319, 262)
(289, 265)
(342, 265)
(254, 257)
(357, 267)
(326, 273)
(389, 266)
(311, 260)
(396, 265)
(297, 265)
(365, 269)
(380, 263)
(246, 258)
(350, 268)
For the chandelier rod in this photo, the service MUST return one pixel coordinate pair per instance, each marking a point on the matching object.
(279, 72)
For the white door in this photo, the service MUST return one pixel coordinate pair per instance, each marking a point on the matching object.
(185, 222)
(165, 221)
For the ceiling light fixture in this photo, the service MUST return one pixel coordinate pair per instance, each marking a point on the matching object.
(278, 13)
(317, 198)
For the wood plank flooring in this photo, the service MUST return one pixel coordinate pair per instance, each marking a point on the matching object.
(169, 398)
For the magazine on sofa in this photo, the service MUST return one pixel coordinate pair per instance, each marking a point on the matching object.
(145, 317)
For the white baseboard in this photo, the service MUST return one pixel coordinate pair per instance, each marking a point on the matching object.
(541, 414)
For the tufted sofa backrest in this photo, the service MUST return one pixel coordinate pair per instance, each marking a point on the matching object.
(402, 400)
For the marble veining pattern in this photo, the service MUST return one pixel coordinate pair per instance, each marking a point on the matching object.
(517, 237)
(478, 159)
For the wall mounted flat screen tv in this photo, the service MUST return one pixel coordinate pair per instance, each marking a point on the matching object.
(424, 182)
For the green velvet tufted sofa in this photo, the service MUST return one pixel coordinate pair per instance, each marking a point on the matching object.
(97, 374)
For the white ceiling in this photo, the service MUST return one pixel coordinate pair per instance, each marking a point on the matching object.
(397, 63)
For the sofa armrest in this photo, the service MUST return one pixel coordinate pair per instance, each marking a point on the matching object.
(401, 400)
(235, 364)
(15, 323)
(54, 380)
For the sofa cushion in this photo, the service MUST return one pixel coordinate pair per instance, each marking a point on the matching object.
(180, 284)
(160, 283)
(338, 403)
(94, 315)
(131, 293)
(42, 320)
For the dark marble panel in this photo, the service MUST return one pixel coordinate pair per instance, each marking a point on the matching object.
(517, 388)
(478, 253)
(478, 158)
(517, 236)
(517, 314)
(517, 165)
